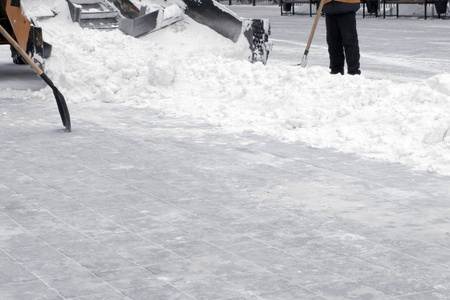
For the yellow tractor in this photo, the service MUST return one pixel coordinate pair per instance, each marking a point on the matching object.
(27, 46)
(24, 32)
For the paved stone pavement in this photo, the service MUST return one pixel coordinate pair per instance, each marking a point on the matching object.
(133, 204)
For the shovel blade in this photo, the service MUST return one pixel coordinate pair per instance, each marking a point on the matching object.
(304, 61)
(63, 110)
(60, 101)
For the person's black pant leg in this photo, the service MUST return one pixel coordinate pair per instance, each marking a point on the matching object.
(334, 41)
(347, 25)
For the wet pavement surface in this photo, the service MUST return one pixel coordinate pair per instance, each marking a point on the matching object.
(133, 204)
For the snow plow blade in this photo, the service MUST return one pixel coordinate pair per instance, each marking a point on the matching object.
(122, 14)
(216, 17)
(228, 24)
(138, 22)
(140, 25)
(95, 14)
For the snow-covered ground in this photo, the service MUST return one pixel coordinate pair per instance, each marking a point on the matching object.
(398, 110)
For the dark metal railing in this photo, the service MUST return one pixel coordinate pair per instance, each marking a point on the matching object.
(249, 2)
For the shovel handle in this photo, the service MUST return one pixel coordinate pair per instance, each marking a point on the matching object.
(21, 51)
(313, 29)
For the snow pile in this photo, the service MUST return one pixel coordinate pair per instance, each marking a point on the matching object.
(188, 69)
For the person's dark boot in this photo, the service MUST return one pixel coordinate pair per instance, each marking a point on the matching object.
(357, 72)
(334, 72)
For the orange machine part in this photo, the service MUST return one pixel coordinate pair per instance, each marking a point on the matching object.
(19, 23)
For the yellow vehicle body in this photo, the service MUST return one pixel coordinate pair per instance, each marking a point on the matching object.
(15, 22)
(26, 34)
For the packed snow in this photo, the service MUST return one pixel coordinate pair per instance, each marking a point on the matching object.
(188, 69)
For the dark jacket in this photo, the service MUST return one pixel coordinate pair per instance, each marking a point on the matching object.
(335, 7)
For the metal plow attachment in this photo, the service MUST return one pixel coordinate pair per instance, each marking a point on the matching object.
(121, 14)
(257, 32)
(227, 23)
(140, 25)
(96, 14)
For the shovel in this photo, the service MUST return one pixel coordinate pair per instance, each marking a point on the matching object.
(311, 35)
(62, 106)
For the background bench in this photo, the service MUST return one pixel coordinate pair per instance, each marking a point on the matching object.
(288, 6)
(441, 6)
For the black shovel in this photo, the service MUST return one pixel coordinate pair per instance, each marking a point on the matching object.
(62, 106)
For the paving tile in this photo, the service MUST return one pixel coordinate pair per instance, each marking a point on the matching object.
(235, 242)
(163, 234)
(394, 284)
(193, 248)
(121, 213)
(208, 286)
(268, 256)
(141, 224)
(303, 273)
(133, 196)
(79, 285)
(129, 278)
(39, 253)
(349, 267)
(52, 269)
(259, 281)
(431, 295)
(164, 292)
(245, 296)
(345, 289)
(395, 260)
(11, 271)
(225, 265)
(20, 207)
(202, 229)
(81, 248)
(93, 198)
(50, 228)
(104, 261)
(109, 296)
(12, 235)
(176, 270)
(432, 254)
(293, 293)
(165, 212)
(148, 254)
(435, 276)
(90, 223)
(120, 242)
(57, 235)
(34, 289)
(352, 245)
(60, 204)
(396, 241)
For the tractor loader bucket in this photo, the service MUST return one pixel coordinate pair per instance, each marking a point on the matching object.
(137, 21)
(140, 25)
(127, 8)
(24, 31)
(112, 14)
(227, 23)
(216, 17)
(257, 33)
(148, 22)
(96, 14)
